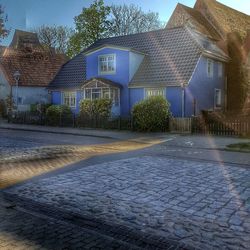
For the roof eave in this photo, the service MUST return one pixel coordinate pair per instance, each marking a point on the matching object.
(91, 51)
(215, 56)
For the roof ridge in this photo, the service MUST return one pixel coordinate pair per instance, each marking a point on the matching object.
(226, 6)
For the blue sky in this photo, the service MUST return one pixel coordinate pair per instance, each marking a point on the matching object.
(28, 14)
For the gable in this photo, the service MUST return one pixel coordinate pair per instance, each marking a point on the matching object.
(184, 15)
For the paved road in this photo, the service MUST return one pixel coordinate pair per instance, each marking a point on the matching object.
(28, 154)
(203, 205)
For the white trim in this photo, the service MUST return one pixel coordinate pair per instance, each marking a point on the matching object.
(107, 72)
(106, 46)
(101, 88)
(62, 98)
(216, 57)
(155, 88)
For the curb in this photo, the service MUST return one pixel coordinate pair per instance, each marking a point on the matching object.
(57, 132)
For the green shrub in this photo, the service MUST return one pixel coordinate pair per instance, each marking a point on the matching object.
(58, 115)
(96, 108)
(151, 114)
(39, 108)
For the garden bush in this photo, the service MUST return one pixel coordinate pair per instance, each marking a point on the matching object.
(98, 108)
(42, 108)
(58, 115)
(151, 114)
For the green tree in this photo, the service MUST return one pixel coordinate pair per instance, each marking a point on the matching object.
(131, 19)
(92, 24)
(3, 18)
(54, 37)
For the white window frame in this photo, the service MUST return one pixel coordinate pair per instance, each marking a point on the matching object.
(163, 90)
(220, 69)
(216, 105)
(210, 68)
(115, 99)
(70, 93)
(99, 65)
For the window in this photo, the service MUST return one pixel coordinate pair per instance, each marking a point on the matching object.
(217, 98)
(107, 64)
(220, 69)
(154, 92)
(98, 93)
(69, 99)
(210, 68)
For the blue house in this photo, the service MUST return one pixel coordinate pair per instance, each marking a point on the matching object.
(180, 63)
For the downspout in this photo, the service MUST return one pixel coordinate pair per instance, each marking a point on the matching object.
(182, 100)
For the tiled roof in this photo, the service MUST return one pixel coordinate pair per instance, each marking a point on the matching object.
(171, 57)
(228, 19)
(204, 26)
(207, 45)
(71, 74)
(37, 66)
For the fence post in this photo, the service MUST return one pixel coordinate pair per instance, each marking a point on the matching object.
(60, 121)
(73, 118)
(119, 123)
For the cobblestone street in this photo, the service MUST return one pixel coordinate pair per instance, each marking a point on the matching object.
(201, 205)
(85, 192)
(20, 230)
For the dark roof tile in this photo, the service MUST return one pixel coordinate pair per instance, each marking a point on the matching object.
(171, 57)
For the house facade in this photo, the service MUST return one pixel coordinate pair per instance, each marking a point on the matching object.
(180, 64)
(230, 30)
(36, 67)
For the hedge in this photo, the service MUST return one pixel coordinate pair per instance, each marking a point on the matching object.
(151, 114)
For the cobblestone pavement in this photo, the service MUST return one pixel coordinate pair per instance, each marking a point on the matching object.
(22, 230)
(23, 157)
(203, 205)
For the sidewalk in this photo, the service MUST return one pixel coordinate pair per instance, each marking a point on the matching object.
(112, 134)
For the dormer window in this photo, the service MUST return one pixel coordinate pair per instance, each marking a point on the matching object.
(107, 64)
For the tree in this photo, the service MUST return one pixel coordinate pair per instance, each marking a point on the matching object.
(3, 18)
(55, 37)
(130, 19)
(91, 25)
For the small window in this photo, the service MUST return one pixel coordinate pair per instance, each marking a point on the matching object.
(69, 99)
(220, 69)
(217, 98)
(154, 92)
(107, 64)
(210, 68)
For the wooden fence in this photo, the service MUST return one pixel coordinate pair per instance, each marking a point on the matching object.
(238, 127)
(180, 125)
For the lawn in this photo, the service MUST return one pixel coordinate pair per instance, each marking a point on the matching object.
(244, 147)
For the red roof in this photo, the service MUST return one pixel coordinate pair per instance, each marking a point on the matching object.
(37, 66)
